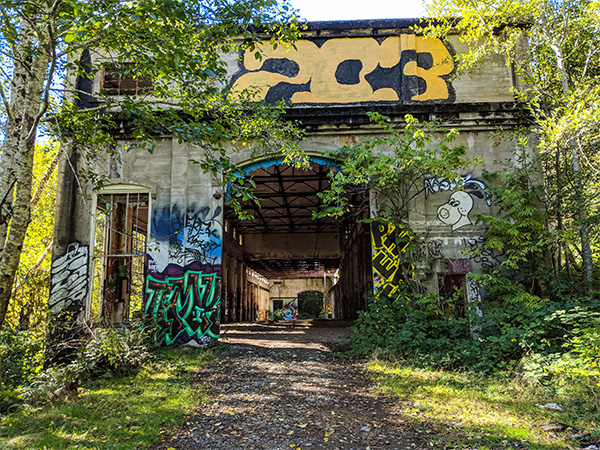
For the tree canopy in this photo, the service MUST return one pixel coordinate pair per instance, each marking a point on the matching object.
(554, 47)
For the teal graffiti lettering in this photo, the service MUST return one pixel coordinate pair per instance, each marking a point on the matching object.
(186, 306)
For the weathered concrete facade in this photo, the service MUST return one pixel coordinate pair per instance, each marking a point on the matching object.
(159, 233)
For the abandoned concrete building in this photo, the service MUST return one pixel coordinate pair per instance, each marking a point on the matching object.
(159, 232)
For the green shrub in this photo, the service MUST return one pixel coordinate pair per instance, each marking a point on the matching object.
(109, 353)
(425, 329)
(9, 399)
(118, 351)
(21, 357)
(574, 371)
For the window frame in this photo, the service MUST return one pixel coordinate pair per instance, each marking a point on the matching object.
(113, 189)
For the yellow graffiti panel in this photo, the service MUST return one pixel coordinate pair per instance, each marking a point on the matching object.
(442, 65)
(307, 51)
(324, 86)
(387, 258)
(349, 70)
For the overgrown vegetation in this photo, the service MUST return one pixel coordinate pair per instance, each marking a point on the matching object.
(469, 410)
(107, 412)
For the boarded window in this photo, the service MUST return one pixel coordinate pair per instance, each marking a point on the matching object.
(119, 80)
(120, 256)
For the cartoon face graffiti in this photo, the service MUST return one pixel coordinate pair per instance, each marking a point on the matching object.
(456, 211)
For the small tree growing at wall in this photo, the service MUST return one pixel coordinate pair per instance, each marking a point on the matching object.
(393, 176)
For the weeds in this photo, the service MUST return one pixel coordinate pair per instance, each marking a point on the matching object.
(113, 413)
(469, 410)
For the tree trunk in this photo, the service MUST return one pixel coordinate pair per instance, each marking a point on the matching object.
(13, 129)
(576, 166)
(18, 148)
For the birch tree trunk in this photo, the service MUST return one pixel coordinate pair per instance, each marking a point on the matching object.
(27, 92)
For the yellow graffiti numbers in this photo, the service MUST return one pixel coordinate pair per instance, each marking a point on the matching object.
(442, 64)
(338, 71)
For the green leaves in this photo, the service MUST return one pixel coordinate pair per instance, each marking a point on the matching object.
(406, 154)
(554, 47)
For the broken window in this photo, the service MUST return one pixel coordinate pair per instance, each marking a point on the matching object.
(120, 256)
(118, 80)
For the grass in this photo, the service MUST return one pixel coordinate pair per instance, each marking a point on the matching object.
(121, 413)
(468, 411)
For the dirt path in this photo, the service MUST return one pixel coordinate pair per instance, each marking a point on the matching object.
(280, 388)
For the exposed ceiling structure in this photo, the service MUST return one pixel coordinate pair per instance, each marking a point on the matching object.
(288, 200)
(281, 269)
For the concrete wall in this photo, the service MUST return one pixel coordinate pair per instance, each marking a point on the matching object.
(290, 288)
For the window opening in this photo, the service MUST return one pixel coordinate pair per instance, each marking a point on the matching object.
(120, 257)
(452, 288)
(117, 80)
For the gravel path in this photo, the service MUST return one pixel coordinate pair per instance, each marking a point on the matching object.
(280, 388)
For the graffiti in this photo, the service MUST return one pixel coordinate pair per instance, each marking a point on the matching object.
(475, 249)
(69, 279)
(184, 308)
(387, 268)
(466, 182)
(473, 291)
(455, 212)
(405, 68)
(182, 238)
(183, 287)
(429, 249)
(290, 310)
(461, 265)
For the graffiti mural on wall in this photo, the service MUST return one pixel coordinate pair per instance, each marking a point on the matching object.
(290, 310)
(387, 261)
(455, 212)
(405, 68)
(183, 286)
(184, 308)
(467, 182)
(431, 249)
(182, 238)
(69, 278)
(475, 249)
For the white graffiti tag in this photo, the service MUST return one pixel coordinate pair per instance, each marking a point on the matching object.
(69, 278)
(466, 182)
(456, 211)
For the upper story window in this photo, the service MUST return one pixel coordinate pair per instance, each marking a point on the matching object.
(118, 80)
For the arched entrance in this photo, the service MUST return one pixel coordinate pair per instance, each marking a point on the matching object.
(283, 250)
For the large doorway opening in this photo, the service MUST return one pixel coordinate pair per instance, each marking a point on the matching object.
(270, 260)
